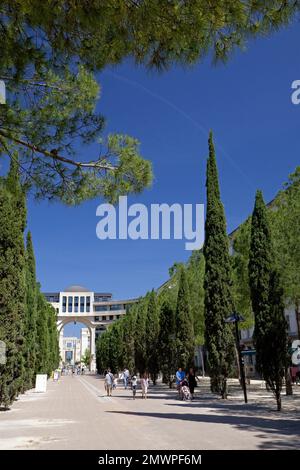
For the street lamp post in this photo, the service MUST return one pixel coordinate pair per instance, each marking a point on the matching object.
(235, 318)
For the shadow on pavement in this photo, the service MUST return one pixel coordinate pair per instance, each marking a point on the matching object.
(285, 432)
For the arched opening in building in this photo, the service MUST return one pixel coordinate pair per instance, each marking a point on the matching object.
(75, 343)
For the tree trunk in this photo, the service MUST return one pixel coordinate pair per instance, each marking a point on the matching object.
(288, 382)
(224, 391)
(278, 401)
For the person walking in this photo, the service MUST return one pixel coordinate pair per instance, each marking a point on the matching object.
(192, 382)
(180, 375)
(126, 377)
(109, 379)
(145, 385)
(134, 385)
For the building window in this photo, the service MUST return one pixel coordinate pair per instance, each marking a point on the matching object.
(116, 307)
(81, 304)
(101, 298)
(64, 304)
(118, 316)
(111, 317)
(88, 303)
(100, 308)
(70, 304)
(69, 345)
(57, 310)
(76, 304)
(97, 318)
(104, 318)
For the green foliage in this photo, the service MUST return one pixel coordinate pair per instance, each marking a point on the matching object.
(43, 340)
(23, 309)
(128, 329)
(152, 335)
(12, 285)
(195, 270)
(285, 221)
(31, 314)
(218, 303)
(115, 347)
(240, 260)
(270, 335)
(86, 358)
(49, 54)
(260, 269)
(154, 33)
(185, 341)
(140, 336)
(102, 352)
(46, 127)
(275, 354)
(167, 341)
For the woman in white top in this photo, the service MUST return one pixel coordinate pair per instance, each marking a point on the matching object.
(144, 384)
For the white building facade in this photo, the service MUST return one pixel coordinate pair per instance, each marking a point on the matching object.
(96, 310)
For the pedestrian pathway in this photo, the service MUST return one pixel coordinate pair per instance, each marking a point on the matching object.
(74, 413)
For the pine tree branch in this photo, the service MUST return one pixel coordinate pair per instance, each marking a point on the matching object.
(96, 164)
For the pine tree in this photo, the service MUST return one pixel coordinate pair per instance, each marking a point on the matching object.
(12, 284)
(152, 334)
(185, 340)
(31, 314)
(167, 341)
(270, 332)
(218, 302)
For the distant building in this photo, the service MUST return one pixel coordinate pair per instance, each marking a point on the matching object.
(96, 310)
(71, 350)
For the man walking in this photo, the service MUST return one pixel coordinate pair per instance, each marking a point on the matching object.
(109, 379)
(126, 377)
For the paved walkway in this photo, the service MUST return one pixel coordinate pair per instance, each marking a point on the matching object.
(75, 414)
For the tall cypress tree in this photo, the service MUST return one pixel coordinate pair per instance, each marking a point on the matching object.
(53, 359)
(218, 303)
(167, 341)
(128, 327)
(31, 313)
(152, 333)
(42, 362)
(270, 331)
(12, 284)
(140, 336)
(185, 340)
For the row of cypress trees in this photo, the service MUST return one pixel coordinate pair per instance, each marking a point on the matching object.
(159, 335)
(155, 335)
(265, 284)
(28, 331)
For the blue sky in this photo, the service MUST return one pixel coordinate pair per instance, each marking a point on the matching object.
(247, 104)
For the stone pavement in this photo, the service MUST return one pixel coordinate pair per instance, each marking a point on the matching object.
(75, 414)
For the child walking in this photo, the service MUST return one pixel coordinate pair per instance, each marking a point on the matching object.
(134, 385)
